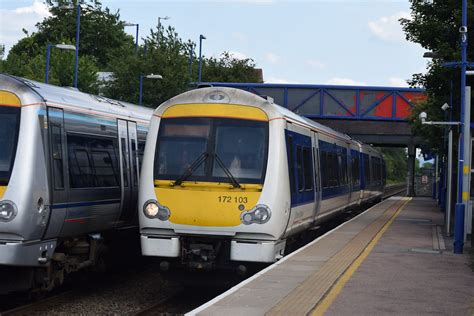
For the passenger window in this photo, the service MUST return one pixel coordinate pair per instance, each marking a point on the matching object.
(92, 161)
(299, 167)
(134, 163)
(124, 161)
(308, 169)
(57, 149)
(291, 164)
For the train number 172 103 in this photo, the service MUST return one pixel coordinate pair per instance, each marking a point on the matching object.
(232, 199)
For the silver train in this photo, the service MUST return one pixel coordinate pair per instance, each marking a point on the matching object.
(230, 177)
(69, 174)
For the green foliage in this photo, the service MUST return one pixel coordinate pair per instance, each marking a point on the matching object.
(167, 54)
(395, 163)
(435, 26)
(101, 36)
(104, 46)
(229, 69)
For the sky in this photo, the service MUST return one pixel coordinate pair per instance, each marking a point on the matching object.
(342, 42)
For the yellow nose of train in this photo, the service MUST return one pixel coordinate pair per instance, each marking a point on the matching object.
(208, 197)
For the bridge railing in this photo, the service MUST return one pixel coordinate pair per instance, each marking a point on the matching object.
(338, 102)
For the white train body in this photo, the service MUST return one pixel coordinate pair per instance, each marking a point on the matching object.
(200, 212)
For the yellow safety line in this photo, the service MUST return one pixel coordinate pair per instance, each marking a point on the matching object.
(324, 305)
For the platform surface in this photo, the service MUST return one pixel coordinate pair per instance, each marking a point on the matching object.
(390, 260)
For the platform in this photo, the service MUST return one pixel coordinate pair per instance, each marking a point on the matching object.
(391, 259)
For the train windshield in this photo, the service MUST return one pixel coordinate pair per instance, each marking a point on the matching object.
(10, 124)
(211, 150)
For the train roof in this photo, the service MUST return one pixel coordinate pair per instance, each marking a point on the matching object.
(31, 92)
(239, 96)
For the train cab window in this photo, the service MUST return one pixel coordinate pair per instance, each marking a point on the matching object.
(57, 150)
(216, 149)
(141, 151)
(241, 149)
(308, 169)
(10, 123)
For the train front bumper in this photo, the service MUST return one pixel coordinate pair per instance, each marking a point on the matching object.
(26, 253)
(240, 250)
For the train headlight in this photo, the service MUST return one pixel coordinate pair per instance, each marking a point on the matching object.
(153, 210)
(258, 215)
(8, 211)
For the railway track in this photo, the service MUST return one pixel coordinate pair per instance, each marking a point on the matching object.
(34, 307)
(394, 189)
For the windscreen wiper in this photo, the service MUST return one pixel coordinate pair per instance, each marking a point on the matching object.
(234, 182)
(189, 171)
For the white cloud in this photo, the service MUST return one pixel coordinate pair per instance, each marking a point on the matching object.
(13, 21)
(272, 58)
(238, 55)
(280, 80)
(316, 64)
(345, 82)
(388, 28)
(397, 82)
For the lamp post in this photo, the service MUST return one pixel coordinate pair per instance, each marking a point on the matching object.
(159, 27)
(151, 76)
(136, 36)
(48, 56)
(463, 176)
(201, 37)
(191, 53)
(78, 28)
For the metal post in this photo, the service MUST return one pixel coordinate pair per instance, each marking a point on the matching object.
(78, 27)
(435, 180)
(467, 158)
(136, 40)
(201, 37)
(140, 90)
(191, 63)
(48, 57)
(463, 195)
(449, 181)
(411, 170)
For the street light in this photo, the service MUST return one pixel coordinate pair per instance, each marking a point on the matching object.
(159, 27)
(201, 37)
(136, 36)
(48, 56)
(151, 76)
(78, 28)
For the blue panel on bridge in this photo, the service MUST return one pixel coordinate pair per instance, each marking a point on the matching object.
(338, 102)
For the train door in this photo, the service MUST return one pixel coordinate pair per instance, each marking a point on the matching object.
(58, 176)
(317, 177)
(127, 133)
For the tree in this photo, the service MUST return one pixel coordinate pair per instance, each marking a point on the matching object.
(435, 26)
(229, 69)
(98, 25)
(395, 163)
(166, 54)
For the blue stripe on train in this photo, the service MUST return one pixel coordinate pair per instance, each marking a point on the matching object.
(80, 204)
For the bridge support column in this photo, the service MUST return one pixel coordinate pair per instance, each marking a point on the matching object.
(411, 170)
